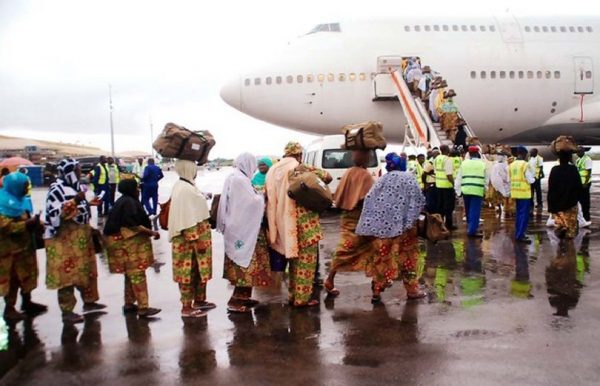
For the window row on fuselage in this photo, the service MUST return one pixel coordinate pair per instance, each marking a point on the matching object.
(289, 79)
(492, 28)
(519, 74)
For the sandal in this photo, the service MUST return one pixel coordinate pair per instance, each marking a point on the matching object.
(311, 303)
(331, 290)
(192, 314)
(238, 309)
(204, 306)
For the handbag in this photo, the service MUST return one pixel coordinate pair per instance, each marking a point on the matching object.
(163, 215)
(431, 227)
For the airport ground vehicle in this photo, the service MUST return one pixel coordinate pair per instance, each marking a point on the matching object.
(327, 153)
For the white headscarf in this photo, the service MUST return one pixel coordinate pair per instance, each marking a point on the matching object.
(188, 205)
(499, 176)
(241, 211)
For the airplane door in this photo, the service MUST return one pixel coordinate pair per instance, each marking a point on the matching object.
(584, 75)
(509, 28)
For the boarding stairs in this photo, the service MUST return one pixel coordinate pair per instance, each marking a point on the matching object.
(421, 131)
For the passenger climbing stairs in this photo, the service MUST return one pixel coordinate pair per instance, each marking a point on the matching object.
(421, 131)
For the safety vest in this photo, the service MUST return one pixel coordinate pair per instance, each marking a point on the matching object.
(441, 179)
(117, 172)
(102, 178)
(456, 161)
(583, 172)
(416, 168)
(430, 179)
(539, 164)
(519, 187)
(473, 177)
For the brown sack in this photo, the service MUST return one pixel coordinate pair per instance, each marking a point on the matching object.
(163, 216)
(178, 142)
(308, 190)
(431, 227)
(564, 144)
(364, 136)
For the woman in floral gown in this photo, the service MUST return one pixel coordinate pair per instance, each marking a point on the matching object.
(129, 249)
(240, 217)
(70, 256)
(389, 216)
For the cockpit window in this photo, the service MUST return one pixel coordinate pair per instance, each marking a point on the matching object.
(331, 27)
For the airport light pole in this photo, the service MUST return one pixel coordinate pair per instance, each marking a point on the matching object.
(112, 129)
(151, 137)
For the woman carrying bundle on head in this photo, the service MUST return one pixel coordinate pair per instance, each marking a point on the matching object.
(352, 252)
(190, 235)
(241, 212)
(129, 249)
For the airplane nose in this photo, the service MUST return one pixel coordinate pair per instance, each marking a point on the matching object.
(231, 93)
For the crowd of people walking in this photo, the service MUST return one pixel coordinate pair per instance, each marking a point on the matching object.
(261, 223)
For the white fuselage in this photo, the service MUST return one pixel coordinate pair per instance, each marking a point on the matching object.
(518, 80)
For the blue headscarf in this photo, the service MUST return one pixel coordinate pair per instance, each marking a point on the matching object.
(394, 162)
(12, 195)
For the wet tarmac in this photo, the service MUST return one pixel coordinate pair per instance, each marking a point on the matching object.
(497, 313)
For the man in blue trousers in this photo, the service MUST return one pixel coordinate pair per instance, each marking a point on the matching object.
(471, 182)
(521, 177)
(152, 174)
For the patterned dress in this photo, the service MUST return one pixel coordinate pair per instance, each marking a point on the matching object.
(353, 251)
(566, 220)
(302, 269)
(70, 257)
(13, 242)
(393, 258)
(193, 244)
(257, 274)
(129, 252)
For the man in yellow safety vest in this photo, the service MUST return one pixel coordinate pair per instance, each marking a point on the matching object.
(521, 177)
(415, 168)
(444, 183)
(471, 182)
(584, 166)
(101, 186)
(536, 163)
(429, 181)
(114, 177)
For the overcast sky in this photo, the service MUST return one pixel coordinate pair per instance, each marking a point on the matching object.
(166, 61)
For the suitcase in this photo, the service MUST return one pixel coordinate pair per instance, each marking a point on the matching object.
(308, 190)
(564, 144)
(364, 136)
(178, 142)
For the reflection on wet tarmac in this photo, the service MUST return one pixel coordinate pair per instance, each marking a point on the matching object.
(491, 303)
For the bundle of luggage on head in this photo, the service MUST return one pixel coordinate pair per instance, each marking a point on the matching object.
(563, 144)
(178, 142)
(364, 136)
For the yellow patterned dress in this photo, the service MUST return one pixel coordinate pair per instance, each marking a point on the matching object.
(192, 262)
(353, 251)
(15, 246)
(257, 274)
(130, 253)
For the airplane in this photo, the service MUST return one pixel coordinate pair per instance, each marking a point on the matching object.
(519, 80)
